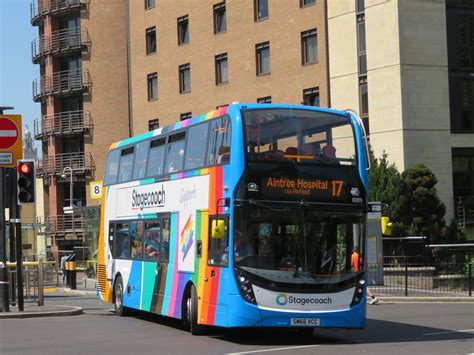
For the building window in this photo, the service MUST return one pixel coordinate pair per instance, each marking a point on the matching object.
(361, 45)
(264, 100)
(463, 173)
(220, 21)
(152, 80)
(263, 58)
(153, 124)
(184, 78)
(151, 40)
(185, 116)
(183, 30)
(311, 96)
(364, 97)
(221, 69)
(309, 47)
(261, 9)
(304, 3)
(149, 4)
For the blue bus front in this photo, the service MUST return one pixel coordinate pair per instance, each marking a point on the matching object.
(298, 219)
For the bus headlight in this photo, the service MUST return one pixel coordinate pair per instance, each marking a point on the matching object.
(245, 286)
(358, 292)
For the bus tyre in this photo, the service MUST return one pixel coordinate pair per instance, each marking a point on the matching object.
(192, 313)
(120, 310)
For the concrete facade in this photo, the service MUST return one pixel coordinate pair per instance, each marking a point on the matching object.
(407, 74)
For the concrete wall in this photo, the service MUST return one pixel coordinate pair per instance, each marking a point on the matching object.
(407, 81)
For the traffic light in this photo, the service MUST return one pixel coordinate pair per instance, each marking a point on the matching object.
(26, 181)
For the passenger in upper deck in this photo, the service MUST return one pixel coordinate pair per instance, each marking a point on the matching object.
(329, 151)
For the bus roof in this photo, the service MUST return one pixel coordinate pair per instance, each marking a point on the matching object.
(212, 114)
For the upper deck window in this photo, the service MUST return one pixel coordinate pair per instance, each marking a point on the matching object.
(156, 158)
(126, 164)
(219, 142)
(175, 149)
(298, 136)
(112, 167)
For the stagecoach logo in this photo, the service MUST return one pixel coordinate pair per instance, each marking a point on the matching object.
(148, 199)
(281, 300)
(252, 187)
(355, 192)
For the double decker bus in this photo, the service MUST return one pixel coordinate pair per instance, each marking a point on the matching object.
(247, 216)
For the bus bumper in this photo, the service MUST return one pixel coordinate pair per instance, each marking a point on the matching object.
(245, 314)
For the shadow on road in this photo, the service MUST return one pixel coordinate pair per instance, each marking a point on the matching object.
(377, 331)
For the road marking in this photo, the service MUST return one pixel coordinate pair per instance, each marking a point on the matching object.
(452, 331)
(274, 349)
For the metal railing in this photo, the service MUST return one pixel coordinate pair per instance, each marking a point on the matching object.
(36, 275)
(60, 42)
(63, 123)
(64, 225)
(80, 163)
(439, 269)
(464, 207)
(61, 83)
(40, 8)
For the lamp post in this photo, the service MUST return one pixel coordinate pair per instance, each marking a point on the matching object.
(68, 169)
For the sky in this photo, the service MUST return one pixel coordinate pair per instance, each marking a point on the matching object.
(17, 71)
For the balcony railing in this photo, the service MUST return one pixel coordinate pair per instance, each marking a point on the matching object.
(64, 123)
(41, 8)
(63, 83)
(465, 210)
(63, 225)
(80, 163)
(59, 43)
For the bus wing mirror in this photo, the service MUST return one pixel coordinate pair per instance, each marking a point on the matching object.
(218, 229)
(386, 226)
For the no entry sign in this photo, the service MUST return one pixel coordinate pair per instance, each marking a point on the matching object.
(10, 140)
(8, 133)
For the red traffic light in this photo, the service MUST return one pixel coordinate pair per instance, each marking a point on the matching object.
(24, 168)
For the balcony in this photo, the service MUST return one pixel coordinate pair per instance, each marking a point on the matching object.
(63, 124)
(59, 43)
(60, 84)
(80, 163)
(464, 207)
(41, 8)
(64, 225)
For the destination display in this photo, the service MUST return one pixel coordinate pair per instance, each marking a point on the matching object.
(339, 188)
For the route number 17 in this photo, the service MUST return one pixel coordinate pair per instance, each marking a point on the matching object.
(337, 187)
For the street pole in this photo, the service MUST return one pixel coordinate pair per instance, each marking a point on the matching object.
(16, 222)
(12, 202)
(5, 302)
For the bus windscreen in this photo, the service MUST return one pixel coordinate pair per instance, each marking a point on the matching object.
(298, 136)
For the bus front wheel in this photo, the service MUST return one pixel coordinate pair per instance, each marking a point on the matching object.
(120, 310)
(192, 313)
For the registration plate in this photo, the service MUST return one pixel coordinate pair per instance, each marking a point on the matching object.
(305, 322)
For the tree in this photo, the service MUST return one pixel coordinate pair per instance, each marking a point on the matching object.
(385, 183)
(418, 207)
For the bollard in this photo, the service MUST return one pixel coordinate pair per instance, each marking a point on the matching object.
(40, 283)
(68, 275)
(73, 275)
(4, 294)
(470, 279)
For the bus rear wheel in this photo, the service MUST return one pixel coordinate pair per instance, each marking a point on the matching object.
(192, 313)
(120, 310)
